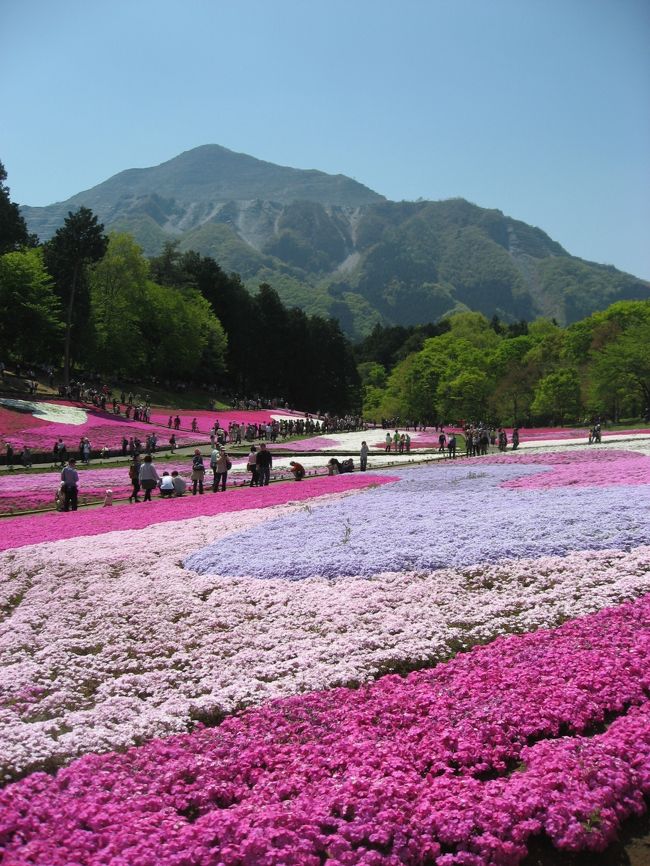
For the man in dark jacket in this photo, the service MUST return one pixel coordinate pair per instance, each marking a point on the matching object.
(70, 478)
(263, 461)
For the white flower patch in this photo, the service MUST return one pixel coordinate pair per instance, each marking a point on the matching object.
(51, 412)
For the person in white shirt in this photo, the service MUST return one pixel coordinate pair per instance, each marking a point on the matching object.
(214, 459)
(166, 485)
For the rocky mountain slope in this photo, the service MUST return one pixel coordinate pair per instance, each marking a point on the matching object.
(333, 246)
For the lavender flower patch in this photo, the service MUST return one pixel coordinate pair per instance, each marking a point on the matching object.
(435, 517)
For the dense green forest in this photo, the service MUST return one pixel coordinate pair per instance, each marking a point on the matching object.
(90, 301)
(469, 368)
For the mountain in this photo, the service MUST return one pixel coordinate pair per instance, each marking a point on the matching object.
(332, 246)
(192, 188)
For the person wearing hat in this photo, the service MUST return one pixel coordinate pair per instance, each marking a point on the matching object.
(70, 479)
(363, 455)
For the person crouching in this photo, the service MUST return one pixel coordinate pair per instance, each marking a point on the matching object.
(298, 470)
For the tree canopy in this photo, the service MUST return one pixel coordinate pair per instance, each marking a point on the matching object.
(79, 242)
(13, 228)
(480, 370)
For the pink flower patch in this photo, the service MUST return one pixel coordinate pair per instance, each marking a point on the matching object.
(54, 526)
(587, 474)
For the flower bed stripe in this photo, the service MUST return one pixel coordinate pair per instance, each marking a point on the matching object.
(459, 765)
(597, 474)
(435, 517)
(21, 531)
(105, 428)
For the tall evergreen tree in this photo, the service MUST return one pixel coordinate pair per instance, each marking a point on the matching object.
(235, 308)
(13, 228)
(79, 242)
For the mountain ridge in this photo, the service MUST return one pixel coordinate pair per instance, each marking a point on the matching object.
(333, 246)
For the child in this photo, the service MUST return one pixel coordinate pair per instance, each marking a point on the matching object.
(108, 498)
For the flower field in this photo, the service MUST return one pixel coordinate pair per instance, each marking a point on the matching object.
(30, 491)
(20, 492)
(38, 424)
(433, 666)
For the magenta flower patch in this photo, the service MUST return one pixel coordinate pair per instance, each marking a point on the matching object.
(53, 526)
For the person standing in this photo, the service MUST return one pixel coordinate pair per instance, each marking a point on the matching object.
(10, 455)
(198, 472)
(223, 464)
(451, 446)
(251, 466)
(214, 459)
(149, 478)
(363, 455)
(70, 479)
(264, 461)
(27, 457)
(388, 442)
(134, 476)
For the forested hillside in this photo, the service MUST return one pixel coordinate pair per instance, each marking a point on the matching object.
(333, 247)
(469, 368)
(91, 301)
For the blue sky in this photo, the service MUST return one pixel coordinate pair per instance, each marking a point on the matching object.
(540, 108)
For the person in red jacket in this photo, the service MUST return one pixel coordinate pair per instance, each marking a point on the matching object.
(298, 470)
